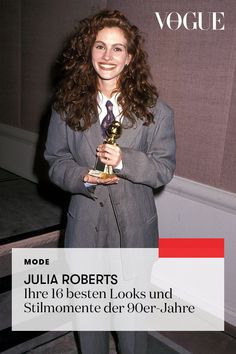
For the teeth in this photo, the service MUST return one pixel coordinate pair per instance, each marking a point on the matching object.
(107, 66)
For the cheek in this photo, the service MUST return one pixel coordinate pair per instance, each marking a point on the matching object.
(121, 61)
(95, 56)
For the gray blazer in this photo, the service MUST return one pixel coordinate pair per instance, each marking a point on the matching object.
(125, 211)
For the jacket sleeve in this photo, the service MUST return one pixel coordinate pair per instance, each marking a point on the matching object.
(64, 171)
(154, 167)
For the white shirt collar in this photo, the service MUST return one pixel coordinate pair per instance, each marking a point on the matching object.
(102, 99)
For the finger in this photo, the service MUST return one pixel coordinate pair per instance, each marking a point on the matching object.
(86, 178)
(96, 180)
(108, 158)
(108, 148)
(91, 179)
(109, 153)
(110, 161)
(111, 180)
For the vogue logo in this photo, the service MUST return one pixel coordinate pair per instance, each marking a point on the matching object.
(192, 21)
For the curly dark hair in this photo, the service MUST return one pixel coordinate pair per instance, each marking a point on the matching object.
(76, 93)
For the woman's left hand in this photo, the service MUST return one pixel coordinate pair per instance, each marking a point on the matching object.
(109, 154)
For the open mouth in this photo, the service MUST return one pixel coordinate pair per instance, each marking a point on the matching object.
(106, 66)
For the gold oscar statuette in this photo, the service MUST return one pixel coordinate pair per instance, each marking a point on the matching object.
(113, 132)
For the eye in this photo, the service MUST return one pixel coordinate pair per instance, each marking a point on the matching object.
(118, 49)
(99, 46)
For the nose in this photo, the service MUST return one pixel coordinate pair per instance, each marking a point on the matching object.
(107, 54)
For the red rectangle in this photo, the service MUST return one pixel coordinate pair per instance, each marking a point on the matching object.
(191, 247)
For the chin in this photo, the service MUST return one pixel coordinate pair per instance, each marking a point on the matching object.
(108, 77)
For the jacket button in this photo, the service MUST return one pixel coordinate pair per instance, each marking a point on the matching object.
(101, 204)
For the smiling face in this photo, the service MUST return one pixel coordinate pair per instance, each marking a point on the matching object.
(109, 55)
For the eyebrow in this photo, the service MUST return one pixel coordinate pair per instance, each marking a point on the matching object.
(113, 45)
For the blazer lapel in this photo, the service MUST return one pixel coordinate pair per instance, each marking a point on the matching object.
(94, 136)
(128, 135)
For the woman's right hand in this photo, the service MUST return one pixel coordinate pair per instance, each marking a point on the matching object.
(96, 180)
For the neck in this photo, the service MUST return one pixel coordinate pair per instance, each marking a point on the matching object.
(107, 87)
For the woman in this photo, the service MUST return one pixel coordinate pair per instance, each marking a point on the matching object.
(104, 66)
